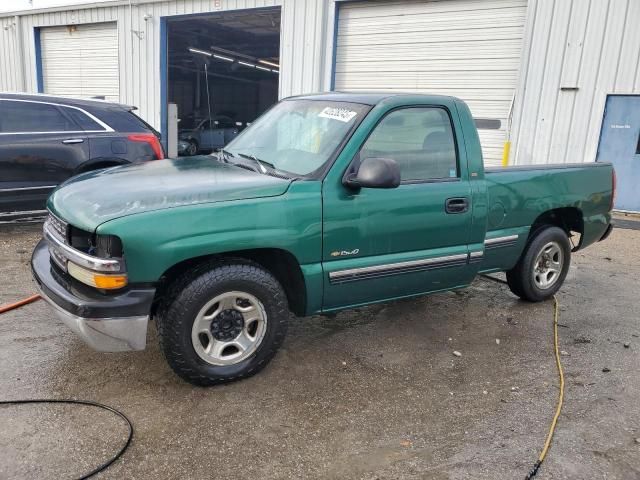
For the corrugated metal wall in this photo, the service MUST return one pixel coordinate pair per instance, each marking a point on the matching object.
(578, 51)
(10, 71)
(302, 44)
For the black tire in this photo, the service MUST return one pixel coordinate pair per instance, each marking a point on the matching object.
(188, 295)
(522, 278)
(193, 148)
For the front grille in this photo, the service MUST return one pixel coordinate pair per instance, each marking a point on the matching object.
(59, 227)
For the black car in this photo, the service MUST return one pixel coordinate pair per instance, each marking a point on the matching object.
(45, 140)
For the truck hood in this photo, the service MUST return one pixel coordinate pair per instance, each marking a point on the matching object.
(96, 197)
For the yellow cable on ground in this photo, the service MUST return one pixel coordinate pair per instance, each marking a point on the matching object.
(554, 422)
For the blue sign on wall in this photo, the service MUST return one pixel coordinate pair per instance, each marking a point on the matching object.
(620, 145)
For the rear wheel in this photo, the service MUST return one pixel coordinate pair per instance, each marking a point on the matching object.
(222, 322)
(544, 264)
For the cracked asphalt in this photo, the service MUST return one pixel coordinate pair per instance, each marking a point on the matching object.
(374, 393)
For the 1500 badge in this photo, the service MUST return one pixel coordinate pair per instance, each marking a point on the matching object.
(345, 253)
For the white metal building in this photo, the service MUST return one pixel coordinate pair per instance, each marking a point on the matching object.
(577, 53)
(548, 65)
(140, 40)
(469, 49)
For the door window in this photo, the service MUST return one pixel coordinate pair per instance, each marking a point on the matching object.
(83, 120)
(420, 140)
(28, 117)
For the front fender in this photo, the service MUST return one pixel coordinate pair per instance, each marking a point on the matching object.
(154, 241)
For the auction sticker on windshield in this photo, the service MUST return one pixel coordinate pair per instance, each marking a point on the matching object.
(342, 114)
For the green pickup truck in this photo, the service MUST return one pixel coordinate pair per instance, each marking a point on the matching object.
(326, 202)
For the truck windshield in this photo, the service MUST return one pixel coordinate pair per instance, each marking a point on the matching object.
(298, 136)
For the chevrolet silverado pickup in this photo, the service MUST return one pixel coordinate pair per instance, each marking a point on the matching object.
(326, 202)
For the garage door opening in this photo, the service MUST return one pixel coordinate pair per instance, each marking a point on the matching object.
(222, 72)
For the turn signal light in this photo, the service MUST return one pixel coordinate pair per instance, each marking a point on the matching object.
(110, 282)
(97, 280)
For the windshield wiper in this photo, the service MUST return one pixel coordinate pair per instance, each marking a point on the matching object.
(261, 163)
(224, 155)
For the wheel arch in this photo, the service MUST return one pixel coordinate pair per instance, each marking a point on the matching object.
(282, 264)
(101, 162)
(569, 219)
(191, 138)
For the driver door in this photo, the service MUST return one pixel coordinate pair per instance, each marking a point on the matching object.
(381, 244)
(211, 136)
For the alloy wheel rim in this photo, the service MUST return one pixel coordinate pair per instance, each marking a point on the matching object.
(229, 328)
(547, 266)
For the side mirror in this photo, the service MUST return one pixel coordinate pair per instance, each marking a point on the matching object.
(374, 173)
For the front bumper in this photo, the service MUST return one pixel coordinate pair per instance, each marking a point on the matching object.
(183, 145)
(107, 323)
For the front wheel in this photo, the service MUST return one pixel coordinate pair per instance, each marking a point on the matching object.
(192, 148)
(543, 266)
(222, 322)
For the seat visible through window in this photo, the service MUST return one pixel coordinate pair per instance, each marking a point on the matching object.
(420, 140)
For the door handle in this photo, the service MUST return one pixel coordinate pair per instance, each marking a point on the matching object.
(456, 205)
(70, 141)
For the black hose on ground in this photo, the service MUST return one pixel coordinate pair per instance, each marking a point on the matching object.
(104, 465)
(100, 468)
(530, 475)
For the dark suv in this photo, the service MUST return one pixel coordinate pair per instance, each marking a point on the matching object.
(45, 140)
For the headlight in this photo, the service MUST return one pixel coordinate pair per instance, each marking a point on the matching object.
(95, 260)
(94, 279)
(108, 246)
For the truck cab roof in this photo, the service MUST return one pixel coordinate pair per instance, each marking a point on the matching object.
(374, 98)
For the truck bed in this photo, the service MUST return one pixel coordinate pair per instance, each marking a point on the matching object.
(517, 197)
(527, 191)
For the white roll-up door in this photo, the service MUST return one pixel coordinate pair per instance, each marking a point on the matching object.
(80, 60)
(466, 48)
